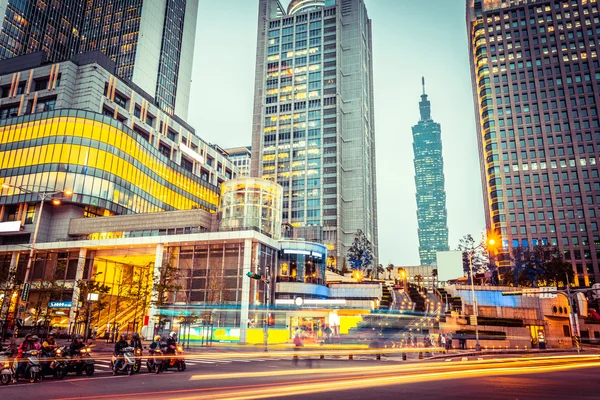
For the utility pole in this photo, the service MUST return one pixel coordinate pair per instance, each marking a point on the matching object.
(267, 281)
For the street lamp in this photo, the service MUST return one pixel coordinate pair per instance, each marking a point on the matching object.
(489, 242)
(44, 193)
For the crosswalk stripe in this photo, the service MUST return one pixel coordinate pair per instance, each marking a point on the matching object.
(448, 359)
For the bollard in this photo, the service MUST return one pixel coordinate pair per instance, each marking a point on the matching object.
(322, 357)
(378, 357)
(420, 355)
(403, 356)
(350, 357)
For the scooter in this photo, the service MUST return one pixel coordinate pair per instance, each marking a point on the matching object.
(33, 369)
(127, 363)
(138, 361)
(80, 362)
(6, 373)
(154, 363)
(178, 361)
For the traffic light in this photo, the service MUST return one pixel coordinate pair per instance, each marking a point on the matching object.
(252, 275)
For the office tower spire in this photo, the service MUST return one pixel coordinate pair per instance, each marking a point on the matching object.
(313, 77)
(429, 181)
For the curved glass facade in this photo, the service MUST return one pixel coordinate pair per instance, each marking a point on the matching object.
(252, 203)
(100, 159)
(302, 262)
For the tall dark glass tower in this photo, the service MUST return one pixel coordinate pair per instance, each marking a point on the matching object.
(429, 179)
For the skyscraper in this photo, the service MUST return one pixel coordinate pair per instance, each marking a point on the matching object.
(429, 180)
(151, 41)
(313, 129)
(535, 75)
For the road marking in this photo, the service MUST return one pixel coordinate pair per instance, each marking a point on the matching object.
(448, 359)
(465, 359)
(479, 359)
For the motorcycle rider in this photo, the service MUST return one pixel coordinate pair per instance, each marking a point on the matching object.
(172, 343)
(155, 344)
(48, 349)
(36, 342)
(136, 342)
(25, 346)
(119, 346)
(77, 344)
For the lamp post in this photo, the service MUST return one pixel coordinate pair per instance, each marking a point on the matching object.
(44, 193)
(490, 242)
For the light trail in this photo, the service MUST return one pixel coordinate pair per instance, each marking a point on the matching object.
(362, 377)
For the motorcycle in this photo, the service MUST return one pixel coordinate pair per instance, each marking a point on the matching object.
(56, 365)
(81, 362)
(6, 373)
(154, 363)
(127, 363)
(178, 361)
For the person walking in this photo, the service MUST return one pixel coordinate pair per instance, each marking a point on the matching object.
(449, 340)
(443, 343)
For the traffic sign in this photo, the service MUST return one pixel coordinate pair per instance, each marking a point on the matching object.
(25, 292)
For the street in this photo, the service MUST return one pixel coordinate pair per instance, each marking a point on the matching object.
(564, 376)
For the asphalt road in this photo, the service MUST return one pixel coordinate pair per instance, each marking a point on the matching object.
(543, 377)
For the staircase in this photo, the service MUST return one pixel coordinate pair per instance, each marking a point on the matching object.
(386, 298)
(454, 303)
(417, 298)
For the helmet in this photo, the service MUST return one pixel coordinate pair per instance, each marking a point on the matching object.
(51, 334)
(156, 338)
(135, 335)
(173, 334)
(123, 336)
(28, 336)
(34, 337)
(78, 337)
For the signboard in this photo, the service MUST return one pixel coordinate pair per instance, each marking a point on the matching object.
(25, 293)
(60, 304)
(548, 292)
(10, 227)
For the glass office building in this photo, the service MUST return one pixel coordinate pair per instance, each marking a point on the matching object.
(314, 77)
(429, 181)
(535, 76)
(162, 30)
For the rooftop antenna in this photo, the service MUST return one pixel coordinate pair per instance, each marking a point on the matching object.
(423, 83)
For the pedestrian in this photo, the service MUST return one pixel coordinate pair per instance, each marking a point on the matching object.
(443, 342)
(439, 340)
(449, 340)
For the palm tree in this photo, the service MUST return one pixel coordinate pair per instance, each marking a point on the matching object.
(389, 269)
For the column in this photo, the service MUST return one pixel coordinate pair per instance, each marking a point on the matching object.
(246, 267)
(75, 297)
(5, 306)
(158, 263)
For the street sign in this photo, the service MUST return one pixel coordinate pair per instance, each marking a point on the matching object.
(529, 292)
(25, 293)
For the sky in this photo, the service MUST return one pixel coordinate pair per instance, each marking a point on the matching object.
(410, 39)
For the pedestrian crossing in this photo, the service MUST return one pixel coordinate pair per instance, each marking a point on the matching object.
(104, 365)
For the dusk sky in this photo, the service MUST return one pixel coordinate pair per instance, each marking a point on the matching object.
(410, 39)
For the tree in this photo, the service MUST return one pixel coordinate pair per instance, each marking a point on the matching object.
(360, 254)
(345, 269)
(164, 287)
(390, 269)
(418, 279)
(481, 260)
(380, 270)
(434, 275)
(88, 307)
(539, 265)
(215, 287)
(8, 285)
